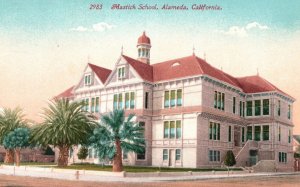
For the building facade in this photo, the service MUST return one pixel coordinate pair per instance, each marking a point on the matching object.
(192, 113)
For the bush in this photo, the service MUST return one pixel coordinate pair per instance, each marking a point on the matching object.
(229, 159)
(83, 153)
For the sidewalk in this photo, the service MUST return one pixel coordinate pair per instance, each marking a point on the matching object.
(100, 176)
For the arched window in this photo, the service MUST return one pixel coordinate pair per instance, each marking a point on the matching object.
(139, 52)
(143, 52)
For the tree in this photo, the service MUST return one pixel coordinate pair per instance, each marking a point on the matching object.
(10, 119)
(116, 134)
(83, 153)
(16, 140)
(65, 124)
(229, 159)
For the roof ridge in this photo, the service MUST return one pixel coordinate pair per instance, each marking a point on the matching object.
(90, 64)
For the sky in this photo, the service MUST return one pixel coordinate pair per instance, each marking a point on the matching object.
(45, 45)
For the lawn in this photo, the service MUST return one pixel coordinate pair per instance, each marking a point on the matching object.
(143, 169)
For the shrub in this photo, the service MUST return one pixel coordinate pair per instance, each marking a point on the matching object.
(229, 159)
(83, 153)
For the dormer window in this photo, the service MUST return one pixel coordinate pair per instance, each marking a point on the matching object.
(87, 80)
(121, 73)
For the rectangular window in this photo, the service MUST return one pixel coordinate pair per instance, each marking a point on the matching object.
(165, 154)
(179, 97)
(241, 109)
(249, 108)
(279, 133)
(121, 72)
(173, 98)
(141, 156)
(87, 103)
(282, 157)
(289, 112)
(146, 99)
(243, 134)
(178, 129)
(257, 105)
(266, 132)
(233, 104)
(97, 109)
(223, 102)
(120, 101)
(229, 133)
(266, 107)
(125, 155)
(219, 100)
(278, 108)
(214, 156)
(127, 100)
(167, 99)
(177, 154)
(87, 80)
(132, 100)
(216, 99)
(214, 131)
(115, 101)
(289, 136)
(166, 129)
(172, 129)
(249, 133)
(93, 105)
(257, 133)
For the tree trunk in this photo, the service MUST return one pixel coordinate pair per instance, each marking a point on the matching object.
(117, 162)
(9, 156)
(63, 156)
(17, 153)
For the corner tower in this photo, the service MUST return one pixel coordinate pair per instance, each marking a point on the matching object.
(144, 46)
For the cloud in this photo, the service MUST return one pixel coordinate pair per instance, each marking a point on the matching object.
(79, 29)
(243, 31)
(98, 27)
(256, 25)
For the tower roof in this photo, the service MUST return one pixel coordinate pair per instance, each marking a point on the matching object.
(144, 39)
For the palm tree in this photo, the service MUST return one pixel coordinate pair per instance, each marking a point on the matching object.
(116, 134)
(10, 119)
(65, 124)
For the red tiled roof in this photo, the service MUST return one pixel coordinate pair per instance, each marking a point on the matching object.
(144, 39)
(65, 94)
(101, 72)
(256, 84)
(143, 69)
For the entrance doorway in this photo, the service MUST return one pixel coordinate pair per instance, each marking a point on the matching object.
(237, 136)
(253, 157)
(172, 158)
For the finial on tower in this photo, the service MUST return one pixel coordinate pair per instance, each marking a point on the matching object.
(122, 50)
(204, 56)
(193, 50)
(88, 58)
(257, 72)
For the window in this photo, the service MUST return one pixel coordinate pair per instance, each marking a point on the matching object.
(214, 131)
(95, 153)
(120, 101)
(87, 103)
(241, 109)
(146, 99)
(257, 105)
(278, 108)
(233, 104)
(279, 133)
(243, 134)
(125, 155)
(97, 104)
(289, 136)
(249, 133)
(178, 129)
(115, 101)
(127, 100)
(177, 154)
(87, 80)
(179, 97)
(173, 98)
(219, 100)
(165, 154)
(132, 100)
(282, 157)
(166, 129)
(172, 129)
(266, 107)
(257, 130)
(214, 156)
(93, 105)
(266, 132)
(121, 72)
(229, 133)
(142, 155)
(249, 108)
(289, 112)
(90, 153)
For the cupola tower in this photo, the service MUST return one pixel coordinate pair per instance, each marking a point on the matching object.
(143, 47)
